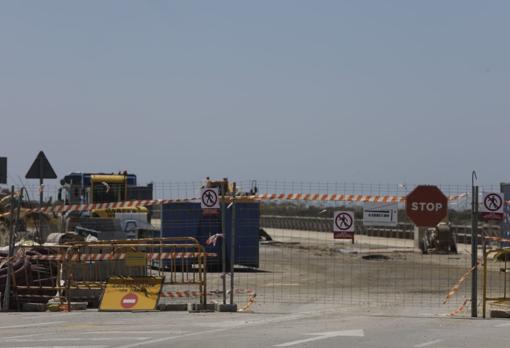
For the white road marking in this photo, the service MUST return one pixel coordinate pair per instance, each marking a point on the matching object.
(503, 325)
(29, 335)
(31, 325)
(427, 343)
(130, 332)
(240, 324)
(60, 347)
(168, 338)
(74, 339)
(323, 336)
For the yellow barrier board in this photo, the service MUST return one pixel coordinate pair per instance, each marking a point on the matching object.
(136, 259)
(131, 294)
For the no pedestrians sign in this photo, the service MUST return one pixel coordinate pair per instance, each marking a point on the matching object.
(492, 206)
(343, 225)
(209, 198)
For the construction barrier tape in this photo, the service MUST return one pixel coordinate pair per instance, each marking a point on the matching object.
(217, 293)
(259, 197)
(340, 197)
(497, 239)
(456, 286)
(111, 205)
(460, 309)
(186, 293)
(117, 256)
(251, 301)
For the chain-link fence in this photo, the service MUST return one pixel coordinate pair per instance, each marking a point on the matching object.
(284, 250)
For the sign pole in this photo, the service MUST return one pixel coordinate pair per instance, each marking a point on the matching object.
(41, 193)
(474, 246)
(41, 169)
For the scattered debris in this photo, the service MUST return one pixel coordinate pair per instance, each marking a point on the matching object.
(375, 257)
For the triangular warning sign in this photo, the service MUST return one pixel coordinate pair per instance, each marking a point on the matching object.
(41, 168)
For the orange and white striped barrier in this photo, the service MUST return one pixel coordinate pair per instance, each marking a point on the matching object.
(117, 256)
(328, 197)
(260, 197)
(247, 306)
(111, 205)
(460, 309)
(217, 293)
(181, 294)
(497, 239)
(456, 287)
(340, 197)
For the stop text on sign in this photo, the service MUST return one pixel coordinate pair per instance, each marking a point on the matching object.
(426, 206)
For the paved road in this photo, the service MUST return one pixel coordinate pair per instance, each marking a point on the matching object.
(281, 326)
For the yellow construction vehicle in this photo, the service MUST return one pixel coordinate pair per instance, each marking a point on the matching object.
(89, 188)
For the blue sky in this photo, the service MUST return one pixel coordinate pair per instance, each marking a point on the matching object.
(365, 91)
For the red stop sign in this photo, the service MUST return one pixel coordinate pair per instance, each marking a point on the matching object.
(426, 206)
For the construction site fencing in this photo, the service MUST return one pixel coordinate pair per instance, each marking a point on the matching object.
(495, 263)
(302, 263)
(79, 271)
(295, 259)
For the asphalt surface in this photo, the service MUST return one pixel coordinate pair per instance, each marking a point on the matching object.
(266, 326)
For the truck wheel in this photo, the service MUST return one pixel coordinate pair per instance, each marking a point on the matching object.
(263, 235)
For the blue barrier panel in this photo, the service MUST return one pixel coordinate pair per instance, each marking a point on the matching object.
(188, 220)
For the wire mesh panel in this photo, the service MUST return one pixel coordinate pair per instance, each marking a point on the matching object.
(301, 262)
(279, 236)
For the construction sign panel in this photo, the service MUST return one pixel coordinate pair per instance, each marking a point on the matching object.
(492, 207)
(136, 259)
(380, 214)
(3, 170)
(131, 294)
(209, 198)
(343, 225)
(41, 168)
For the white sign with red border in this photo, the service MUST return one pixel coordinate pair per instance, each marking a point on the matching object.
(210, 198)
(343, 225)
(492, 206)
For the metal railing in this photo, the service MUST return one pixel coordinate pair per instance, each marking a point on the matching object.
(79, 271)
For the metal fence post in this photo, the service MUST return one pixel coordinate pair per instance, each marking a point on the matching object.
(223, 246)
(484, 260)
(7, 291)
(233, 244)
(474, 247)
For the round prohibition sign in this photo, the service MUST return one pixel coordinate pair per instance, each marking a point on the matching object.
(493, 202)
(209, 198)
(343, 221)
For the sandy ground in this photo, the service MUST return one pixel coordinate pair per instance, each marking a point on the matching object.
(311, 268)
